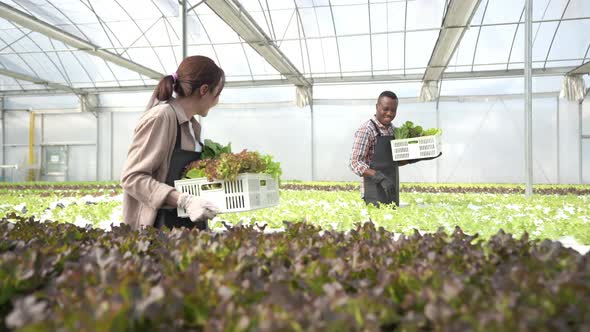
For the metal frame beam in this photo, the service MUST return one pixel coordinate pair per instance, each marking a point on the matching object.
(583, 69)
(237, 18)
(416, 100)
(556, 71)
(289, 103)
(32, 23)
(37, 80)
(556, 29)
(459, 13)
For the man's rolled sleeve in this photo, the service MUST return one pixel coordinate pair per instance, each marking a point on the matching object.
(358, 159)
(148, 151)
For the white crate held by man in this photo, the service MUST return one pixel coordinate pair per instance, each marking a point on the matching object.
(249, 191)
(416, 148)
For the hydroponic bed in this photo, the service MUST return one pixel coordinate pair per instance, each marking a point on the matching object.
(276, 269)
(559, 212)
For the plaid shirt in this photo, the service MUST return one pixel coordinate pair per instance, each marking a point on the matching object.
(364, 147)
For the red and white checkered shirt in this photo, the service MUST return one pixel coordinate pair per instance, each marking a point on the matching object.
(364, 146)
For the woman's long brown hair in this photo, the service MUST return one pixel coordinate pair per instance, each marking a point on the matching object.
(193, 72)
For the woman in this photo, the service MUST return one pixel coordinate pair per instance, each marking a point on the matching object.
(166, 139)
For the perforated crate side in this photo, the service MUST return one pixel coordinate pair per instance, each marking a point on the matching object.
(235, 198)
(424, 147)
(243, 194)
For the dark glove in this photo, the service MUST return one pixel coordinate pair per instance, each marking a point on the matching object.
(385, 183)
(421, 159)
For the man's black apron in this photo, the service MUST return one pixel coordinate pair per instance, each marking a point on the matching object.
(382, 161)
(180, 158)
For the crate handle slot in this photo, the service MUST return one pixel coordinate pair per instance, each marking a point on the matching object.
(263, 183)
(413, 142)
(212, 186)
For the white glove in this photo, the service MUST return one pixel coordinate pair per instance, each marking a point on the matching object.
(198, 208)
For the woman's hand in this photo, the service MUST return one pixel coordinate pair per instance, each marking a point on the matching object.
(198, 208)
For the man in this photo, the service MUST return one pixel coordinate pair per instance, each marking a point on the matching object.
(371, 154)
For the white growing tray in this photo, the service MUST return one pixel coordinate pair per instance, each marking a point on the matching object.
(249, 191)
(416, 148)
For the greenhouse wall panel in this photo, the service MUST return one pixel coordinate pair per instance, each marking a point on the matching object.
(125, 99)
(123, 126)
(41, 102)
(586, 116)
(20, 155)
(16, 143)
(283, 132)
(105, 143)
(545, 155)
(334, 128)
(16, 124)
(569, 142)
(485, 140)
(81, 163)
(69, 128)
(586, 161)
(478, 138)
(2, 161)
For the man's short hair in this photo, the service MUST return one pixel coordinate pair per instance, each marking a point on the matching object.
(388, 94)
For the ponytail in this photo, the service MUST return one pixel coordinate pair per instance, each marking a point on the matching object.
(162, 92)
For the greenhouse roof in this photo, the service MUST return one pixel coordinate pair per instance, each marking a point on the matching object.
(91, 45)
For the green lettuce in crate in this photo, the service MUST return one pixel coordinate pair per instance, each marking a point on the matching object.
(273, 168)
(195, 173)
(219, 163)
(212, 150)
(408, 130)
(432, 132)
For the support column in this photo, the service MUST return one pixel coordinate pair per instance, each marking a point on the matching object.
(528, 100)
(438, 126)
(183, 30)
(2, 142)
(313, 177)
(580, 138)
(42, 148)
(112, 146)
(3, 158)
(558, 132)
(31, 172)
(97, 175)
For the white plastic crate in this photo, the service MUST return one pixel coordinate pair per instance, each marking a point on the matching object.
(249, 191)
(416, 148)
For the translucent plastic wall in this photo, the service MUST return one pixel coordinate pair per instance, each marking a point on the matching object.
(75, 132)
(483, 138)
(586, 140)
(283, 133)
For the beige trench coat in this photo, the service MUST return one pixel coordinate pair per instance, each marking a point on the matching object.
(144, 173)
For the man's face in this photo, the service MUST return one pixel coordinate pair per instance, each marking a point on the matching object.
(386, 110)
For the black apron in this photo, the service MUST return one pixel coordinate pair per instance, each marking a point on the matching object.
(382, 161)
(180, 158)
